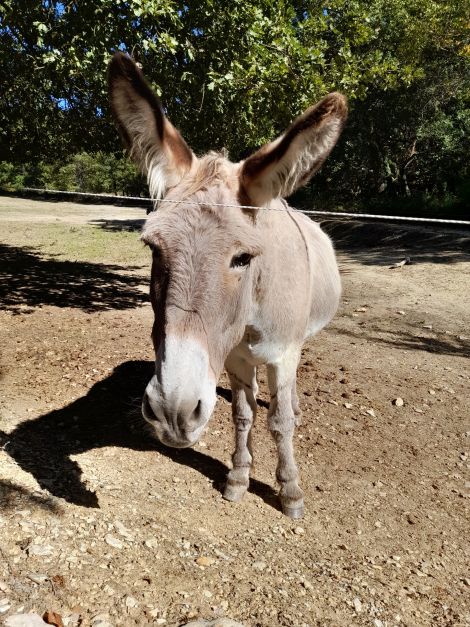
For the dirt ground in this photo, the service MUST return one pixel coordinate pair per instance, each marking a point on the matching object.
(98, 522)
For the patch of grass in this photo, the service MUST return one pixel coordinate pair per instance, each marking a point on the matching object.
(79, 243)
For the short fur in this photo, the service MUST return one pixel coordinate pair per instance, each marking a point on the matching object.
(207, 298)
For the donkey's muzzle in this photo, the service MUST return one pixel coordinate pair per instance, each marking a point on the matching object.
(179, 429)
(180, 397)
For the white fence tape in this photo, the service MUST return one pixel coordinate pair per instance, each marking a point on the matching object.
(335, 214)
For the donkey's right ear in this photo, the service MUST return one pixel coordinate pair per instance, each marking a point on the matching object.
(152, 141)
(279, 168)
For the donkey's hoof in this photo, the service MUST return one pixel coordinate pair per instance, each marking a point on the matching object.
(234, 493)
(293, 512)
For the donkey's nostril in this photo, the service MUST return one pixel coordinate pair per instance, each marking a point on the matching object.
(149, 414)
(190, 421)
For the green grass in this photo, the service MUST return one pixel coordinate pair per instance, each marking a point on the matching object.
(78, 243)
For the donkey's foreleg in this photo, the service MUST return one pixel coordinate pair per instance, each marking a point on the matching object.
(244, 389)
(282, 420)
(295, 404)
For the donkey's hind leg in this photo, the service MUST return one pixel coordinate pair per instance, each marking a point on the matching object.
(282, 420)
(244, 389)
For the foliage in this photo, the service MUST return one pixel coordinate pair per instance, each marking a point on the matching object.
(83, 172)
(235, 77)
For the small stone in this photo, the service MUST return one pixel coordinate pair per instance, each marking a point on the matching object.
(400, 312)
(412, 519)
(205, 561)
(72, 620)
(160, 621)
(377, 623)
(357, 605)
(222, 555)
(131, 602)
(152, 543)
(348, 405)
(398, 402)
(299, 531)
(101, 620)
(207, 593)
(24, 620)
(371, 412)
(40, 550)
(123, 531)
(361, 309)
(218, 622)
(113, 541)
(39, 579)
(5, 605)
(259, 565)
(53, 618)
(432, 392)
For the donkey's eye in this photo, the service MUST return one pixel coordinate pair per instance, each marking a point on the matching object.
(240, 261)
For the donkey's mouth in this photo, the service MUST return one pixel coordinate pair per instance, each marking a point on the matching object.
(172, 443)
(162, 433)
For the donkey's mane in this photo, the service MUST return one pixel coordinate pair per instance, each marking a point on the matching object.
(203, 183)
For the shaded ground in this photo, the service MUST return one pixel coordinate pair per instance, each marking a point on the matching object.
(98, 518)
(378, 243)
(27, 280)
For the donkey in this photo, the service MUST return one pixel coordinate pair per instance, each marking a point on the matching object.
(238, 278)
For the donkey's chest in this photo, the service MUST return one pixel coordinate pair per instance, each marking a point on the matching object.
(258, 347)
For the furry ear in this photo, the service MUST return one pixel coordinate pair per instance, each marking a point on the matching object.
(152, 141)
(279, 168)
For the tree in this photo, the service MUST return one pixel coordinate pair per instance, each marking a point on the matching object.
(235, 76)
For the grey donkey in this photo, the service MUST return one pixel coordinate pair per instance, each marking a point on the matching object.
(238, 278)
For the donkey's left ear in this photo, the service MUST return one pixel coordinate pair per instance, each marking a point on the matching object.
(152, 141)
(287, 163)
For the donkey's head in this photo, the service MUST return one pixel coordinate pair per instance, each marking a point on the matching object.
(207, 250)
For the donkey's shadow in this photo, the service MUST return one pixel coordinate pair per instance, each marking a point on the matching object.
(107, 416)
